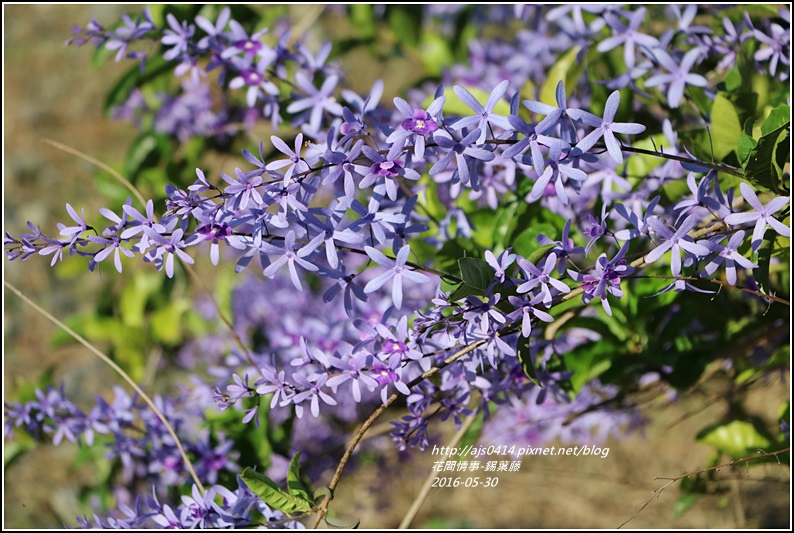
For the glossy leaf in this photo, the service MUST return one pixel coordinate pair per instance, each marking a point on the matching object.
(294, 483)
(271, 494)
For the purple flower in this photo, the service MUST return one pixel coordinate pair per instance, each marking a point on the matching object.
(417, 124)
(605, 128)
(605, 278)
(397, 270)
(213, 31)
(253, 78)
(459, 150)
(128, 32)
(274, 384)
(526, 310)
(344, 164)
(484, 116)
(167, 519)
(536, 276)
(640, 225)
(289, 256)
(354, 370)
(679, 76)
(169, 246)
(532, 140)
(700, 195)
(314, 394)
(379, 222)
(111, 245)
(386, 170)
(318, 100)
(216, 233)
(74, 231)
(628, 36)
(674, 241)
(501, 264)
(558, 168)
(728, 254)
(397, 345)
(295, 162)
(243, 189)
(389, 375)
(249, 46)
(762, 215)
(178, 36)
(776, 48)
(564, 248)
(554, 115)
(596, 230)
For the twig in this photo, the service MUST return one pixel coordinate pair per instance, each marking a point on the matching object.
(100, 164)
(223, 318)
(425, 491)
(107, 360)
(718, 282)
(672, 480)
(322, 510)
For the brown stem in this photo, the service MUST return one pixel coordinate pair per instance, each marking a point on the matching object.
(672, 480)
(322, 510)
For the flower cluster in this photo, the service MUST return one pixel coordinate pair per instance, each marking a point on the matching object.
(135, 437)
(341, 213)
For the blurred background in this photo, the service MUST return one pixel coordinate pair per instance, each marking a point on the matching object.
(53, 92)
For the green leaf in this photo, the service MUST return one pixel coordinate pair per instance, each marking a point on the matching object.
(733, 81)
(591, 360)
(271, 494)
(778, 118)
(737, 13)
(294, 483)
(132, 301)
(525, 357)
(363, 17)
(446, 259)
(737, 439)
(501, 228)
(405, 21)
(463, 291)
(540, 253)
(761, 169)
(746, 143)
(725, 127)
(16, 449)
(526, 243)
(782, 153)
(167, 322)
(119, 93)
(568, 70)
(476, 273)
(435, 52)
(684, 504)
(763, 259)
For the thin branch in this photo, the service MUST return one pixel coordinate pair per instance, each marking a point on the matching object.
(428, 484)
(672, 480)
(217, 307)
(725, 284)
(322, 510)
(107, 360)
(100, 164)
